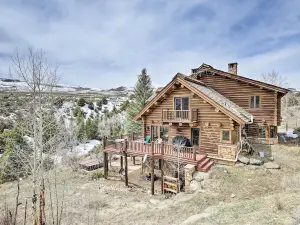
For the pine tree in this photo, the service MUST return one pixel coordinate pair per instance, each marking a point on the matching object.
(142, 91)
(81, 129)
(88, 128)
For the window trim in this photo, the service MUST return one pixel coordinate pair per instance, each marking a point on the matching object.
(260, 98)
(221, 136)
(182, 96)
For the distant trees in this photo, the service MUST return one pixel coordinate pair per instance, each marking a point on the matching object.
(142, 91)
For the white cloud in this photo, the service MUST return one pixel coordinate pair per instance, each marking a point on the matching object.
(106, 43)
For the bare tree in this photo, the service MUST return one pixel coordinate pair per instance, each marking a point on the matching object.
(40, 78)
(274, 78)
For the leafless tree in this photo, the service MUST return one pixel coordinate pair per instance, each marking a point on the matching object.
(40, 78)
(274, 78)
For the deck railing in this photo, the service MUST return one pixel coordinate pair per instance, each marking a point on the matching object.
(158, 149)
(179, 115)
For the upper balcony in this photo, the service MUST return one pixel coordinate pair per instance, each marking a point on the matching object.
(179, 116)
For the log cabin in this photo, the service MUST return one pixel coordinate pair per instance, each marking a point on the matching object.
(215, 110)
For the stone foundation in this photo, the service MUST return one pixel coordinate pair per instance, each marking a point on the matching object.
(189, 169)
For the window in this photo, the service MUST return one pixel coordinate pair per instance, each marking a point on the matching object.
(195, 136)
(164, 133)
(225, 135)
(273, 132)
(181, 103)
(154, 133)
(255, 102)
(262, 132)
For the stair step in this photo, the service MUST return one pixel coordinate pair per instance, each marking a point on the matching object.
(207, 167)
(203, 163)
(201, 158)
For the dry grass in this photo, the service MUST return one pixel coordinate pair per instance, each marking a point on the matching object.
(261, 197)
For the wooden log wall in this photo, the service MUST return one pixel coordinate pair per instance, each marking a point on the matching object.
(240, 93)
(210, 121)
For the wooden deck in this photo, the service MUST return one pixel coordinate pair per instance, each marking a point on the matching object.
(164, 151)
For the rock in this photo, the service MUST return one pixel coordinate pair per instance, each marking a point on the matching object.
(271, 165)
(232, 196)
(243, 159)
(256, 162)
(200, 176)
(154, 201)
(239, 165)
(271, 158)
(194, 186)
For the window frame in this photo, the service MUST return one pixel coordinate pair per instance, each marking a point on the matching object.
(160, 132)
(199, 141)
(255, 102)
(181, 97)
(275, 132)
(259, 133)
(221, 138)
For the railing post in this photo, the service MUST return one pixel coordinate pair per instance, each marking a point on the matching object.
(162, 147)
(152, 147)
(194, 153)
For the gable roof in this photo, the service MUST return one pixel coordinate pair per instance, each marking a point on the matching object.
(205, 67)
(208, 94)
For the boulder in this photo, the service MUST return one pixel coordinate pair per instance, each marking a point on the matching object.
(194, 186)
(256, 162)
(200, 176)
(232, 196)
(271, 158)
(243, 159)
(271, 165)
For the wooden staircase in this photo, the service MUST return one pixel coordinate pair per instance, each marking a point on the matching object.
(204, 164)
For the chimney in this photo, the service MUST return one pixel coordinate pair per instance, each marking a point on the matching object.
(232, 68)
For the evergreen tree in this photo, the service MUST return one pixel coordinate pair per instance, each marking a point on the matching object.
(88, 128)
(104, 101)
(142, 91)
(81, 127)
(81, 102)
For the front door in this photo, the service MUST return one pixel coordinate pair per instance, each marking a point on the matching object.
(195, 137)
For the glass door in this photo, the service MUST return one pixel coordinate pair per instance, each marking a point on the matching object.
(195, 137)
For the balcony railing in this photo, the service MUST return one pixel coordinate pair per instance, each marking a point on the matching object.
(180, 115)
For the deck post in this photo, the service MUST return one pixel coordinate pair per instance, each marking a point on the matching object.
(105, 158)
(121, 162)
(162, 175)
(126, 163)
(152, 148)
(162, 148)
(194, 153)
(152, 176)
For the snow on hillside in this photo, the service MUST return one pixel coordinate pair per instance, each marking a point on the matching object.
(19, 86)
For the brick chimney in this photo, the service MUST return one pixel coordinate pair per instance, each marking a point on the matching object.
(232, 68)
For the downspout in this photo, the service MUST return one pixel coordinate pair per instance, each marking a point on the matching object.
(241, 143)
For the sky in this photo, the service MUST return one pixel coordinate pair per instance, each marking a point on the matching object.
(106, 43)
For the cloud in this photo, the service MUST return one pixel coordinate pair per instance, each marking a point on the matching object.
(106, 43)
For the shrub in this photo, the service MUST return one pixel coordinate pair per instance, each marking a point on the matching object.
(97, 175)
(91, 106)
(104, 101)
(99, 103)
(81, 102)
